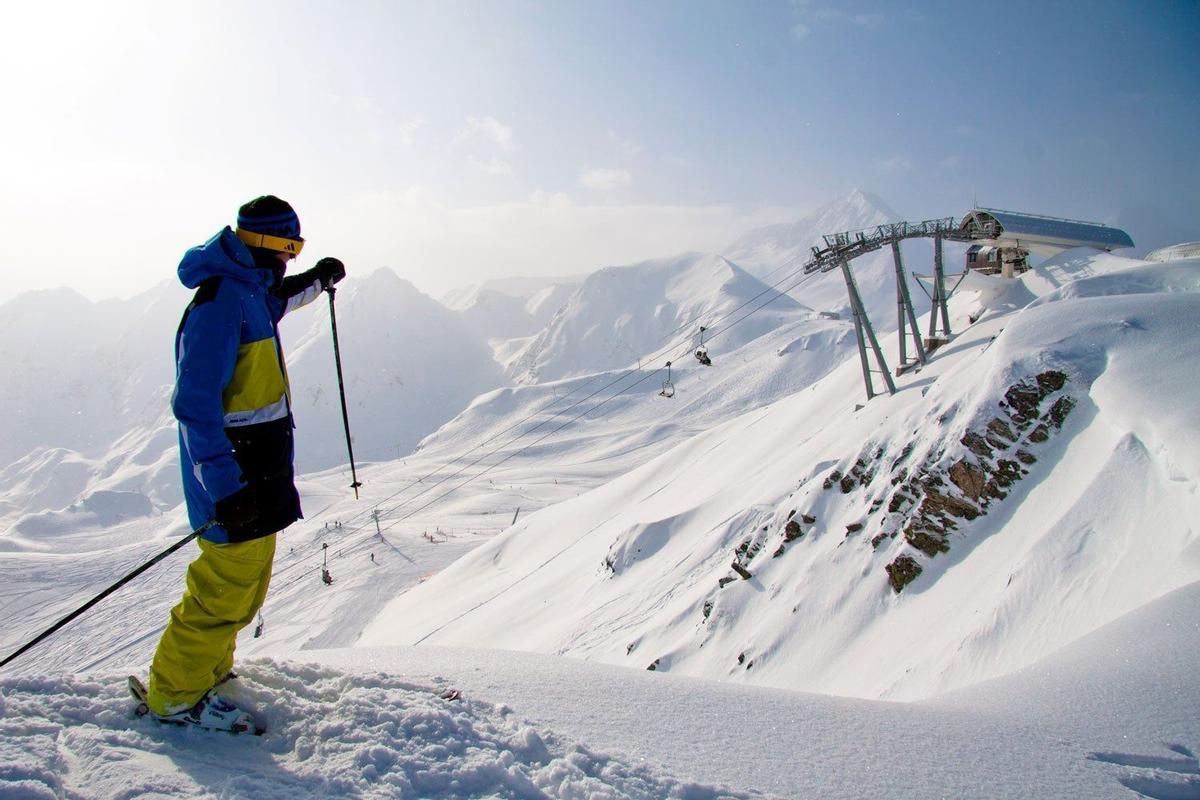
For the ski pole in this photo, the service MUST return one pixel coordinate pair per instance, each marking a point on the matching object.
(79, 611)
(337, 360)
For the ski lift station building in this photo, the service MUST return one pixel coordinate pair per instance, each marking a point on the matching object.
(1003, 240)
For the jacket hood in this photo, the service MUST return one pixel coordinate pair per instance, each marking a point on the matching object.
(223, 255)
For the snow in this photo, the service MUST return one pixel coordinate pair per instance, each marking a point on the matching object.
(820, 618)
(367, 722)
(1050, 652)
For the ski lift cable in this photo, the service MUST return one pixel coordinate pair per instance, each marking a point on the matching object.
(351, 548)
(720, 331)
(652, 358)
(788, 263)
(804, 277)
(774, 287)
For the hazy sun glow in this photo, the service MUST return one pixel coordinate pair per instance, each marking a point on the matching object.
(454, 141)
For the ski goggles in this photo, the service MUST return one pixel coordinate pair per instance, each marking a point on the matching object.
(268, 242)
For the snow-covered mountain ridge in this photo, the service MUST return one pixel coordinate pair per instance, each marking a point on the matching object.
(636, 569)
(622, 314)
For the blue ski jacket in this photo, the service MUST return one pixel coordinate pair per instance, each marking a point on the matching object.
(231, 395)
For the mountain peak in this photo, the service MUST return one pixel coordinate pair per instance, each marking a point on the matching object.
(762, 249)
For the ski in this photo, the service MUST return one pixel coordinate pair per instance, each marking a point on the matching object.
(137, 690)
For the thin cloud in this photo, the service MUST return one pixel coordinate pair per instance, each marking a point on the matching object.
(807, 17)
(494, 167)
(489, 129)
(860, 18)
(605, 180)
(895, 164)
(405, 131)
(629, 147)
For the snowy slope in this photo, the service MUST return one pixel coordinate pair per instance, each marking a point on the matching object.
(622, 314)
(409, 365)
(88, 402)
(1110, 714)
(634, 572)
(79, 374)
(464, 297)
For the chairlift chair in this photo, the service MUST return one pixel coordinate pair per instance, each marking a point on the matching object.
(668, 388)
(702, 351)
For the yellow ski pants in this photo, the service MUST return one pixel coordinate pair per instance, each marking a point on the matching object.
(226, 586)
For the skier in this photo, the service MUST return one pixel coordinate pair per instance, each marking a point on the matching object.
(235, 439)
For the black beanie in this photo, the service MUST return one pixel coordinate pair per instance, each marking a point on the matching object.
(270, 215)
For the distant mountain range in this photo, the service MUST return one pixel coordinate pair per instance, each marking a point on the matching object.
(87, 384)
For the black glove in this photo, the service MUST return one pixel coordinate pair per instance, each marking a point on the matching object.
(329, 270)
(239, 508)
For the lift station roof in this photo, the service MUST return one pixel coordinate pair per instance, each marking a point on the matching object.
(1045, 235)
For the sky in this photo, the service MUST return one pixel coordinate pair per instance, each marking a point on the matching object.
(457, 141)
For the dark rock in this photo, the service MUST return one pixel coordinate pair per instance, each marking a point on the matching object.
(976, 444)
(928, 541)
(898, 501)
(831, 479)
(996, 442)
(1007, 473)
(791, 531)
(847, 484)
(903, 571)
(938, 503)
(879, 539)
(740, 570)
(791, 513)
(741, 658)
(1059, 411)
(994, 491)
(1023, 402)
(1000, 428)
(968, 478)
(1026, 457)
(1051, 381)
(808, 520)
(654, 664)
(1039, 434)
(708, 607)
(780, 551)
(723, 582)
(853, 527)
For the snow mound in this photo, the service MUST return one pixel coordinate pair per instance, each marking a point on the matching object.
(329, 733)
(1175, 252)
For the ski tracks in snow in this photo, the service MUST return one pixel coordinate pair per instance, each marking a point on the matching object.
(1157, 777)
(329, 734)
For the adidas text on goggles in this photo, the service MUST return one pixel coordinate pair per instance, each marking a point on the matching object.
(268, 242)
